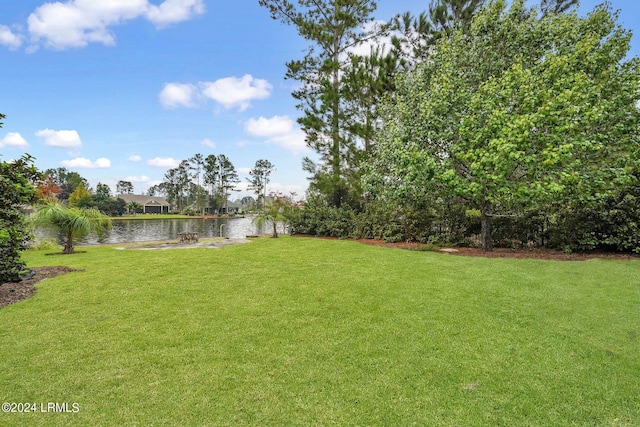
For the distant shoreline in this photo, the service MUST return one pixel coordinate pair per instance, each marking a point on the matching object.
(169, 216)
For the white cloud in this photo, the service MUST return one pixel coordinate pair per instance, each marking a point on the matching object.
(234, 92)
(60, 138)
(174, 11)
(230, 92)
(208, 143)
(266, 128)
(84, 163)
(13, 139)
(178, 95)
(134, 158)
(278, 130)
(9, 38)
(294, 141)
(288, 189)
(244, 170)
(76, 23)
(164, 162)
(139, 179)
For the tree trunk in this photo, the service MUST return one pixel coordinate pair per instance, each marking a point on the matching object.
(275, 230)
(486, 225)
(335, 119)
(68, 245)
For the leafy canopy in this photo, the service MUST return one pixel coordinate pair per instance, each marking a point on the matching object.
(515, 113)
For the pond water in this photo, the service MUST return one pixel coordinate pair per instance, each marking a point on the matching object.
(135, 230)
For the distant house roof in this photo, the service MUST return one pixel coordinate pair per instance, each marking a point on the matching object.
(143, 200)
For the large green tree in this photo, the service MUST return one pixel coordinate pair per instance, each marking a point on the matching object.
(124, 187)
(333, 28)
(417, 35)
(183, 175)
(16, 191)
(369, 79)
(103, 192)
(169, 186)
(67, 181)
(79, 197)
(517, 113)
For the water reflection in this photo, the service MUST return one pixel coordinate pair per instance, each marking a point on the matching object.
(129, 231)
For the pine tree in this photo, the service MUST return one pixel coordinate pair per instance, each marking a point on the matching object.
(228, 178)
(333, 27)
(259, 179)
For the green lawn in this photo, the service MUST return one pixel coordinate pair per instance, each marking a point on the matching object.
(302, 331)
(153, 216)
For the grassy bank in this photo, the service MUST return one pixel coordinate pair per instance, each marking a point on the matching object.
(154, 216)
(170, 216)
(301, 331)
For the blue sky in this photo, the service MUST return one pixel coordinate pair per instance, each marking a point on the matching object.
(125, 89)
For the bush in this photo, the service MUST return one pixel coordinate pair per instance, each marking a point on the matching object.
(318, 219)
(520, 231)
(16, 191)
(13, 240)
(44, 245)
(110, 207)
(612, 224)
(378, 220)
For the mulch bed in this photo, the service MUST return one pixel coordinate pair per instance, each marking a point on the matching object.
(510, 253)
(543, 254)
(504, 252)
(14, 292)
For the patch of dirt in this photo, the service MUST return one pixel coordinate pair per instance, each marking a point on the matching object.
(17, 291)
(505, 252)
(542, 254)
(216, 244)
(509, 253)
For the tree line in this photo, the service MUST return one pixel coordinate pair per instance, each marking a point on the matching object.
(197, 185)
(483, 122)
(205, 184)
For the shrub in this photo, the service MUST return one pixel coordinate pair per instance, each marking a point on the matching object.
(611, 224)
(13, 240)
(16, 190)
(44, 244)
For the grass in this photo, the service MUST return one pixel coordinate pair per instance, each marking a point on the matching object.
(169, 216)
(154, 216)
(301, 331)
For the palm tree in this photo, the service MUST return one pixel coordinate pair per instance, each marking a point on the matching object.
(73, 222)
(270, 214)
(274, 213)
(134, 207)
